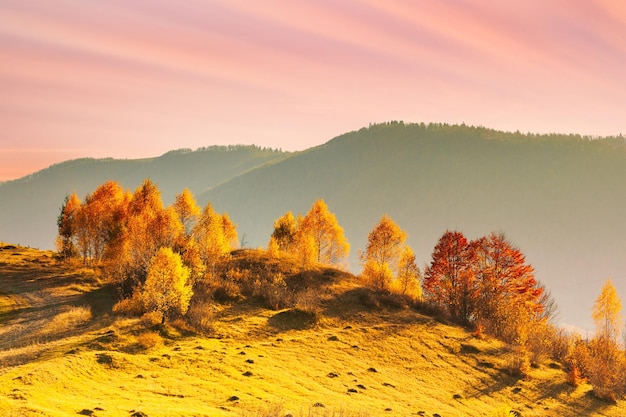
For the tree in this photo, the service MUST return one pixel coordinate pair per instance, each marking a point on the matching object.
(385, 246)
(99, 221)
(607, 365)
(215, 235)
(166, 289)
(506, 285)
(187, 210)
(285, 232)
(606, 312)
(331, 245)
(448, 281)
(148, 227)
(408, 275)
(67, 226)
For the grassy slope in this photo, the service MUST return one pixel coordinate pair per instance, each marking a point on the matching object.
(95, 366)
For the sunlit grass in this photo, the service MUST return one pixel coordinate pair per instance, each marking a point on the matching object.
(352, 360)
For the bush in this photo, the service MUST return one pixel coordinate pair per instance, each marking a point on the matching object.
(149, 340)
(275, 292)
(132, 306)
(201, 317)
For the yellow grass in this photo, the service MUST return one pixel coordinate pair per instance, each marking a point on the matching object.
(258, 362)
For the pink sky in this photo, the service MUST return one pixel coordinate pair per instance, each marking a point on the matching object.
(131, 79)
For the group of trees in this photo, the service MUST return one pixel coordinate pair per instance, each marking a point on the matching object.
(137, 240)
(388, 262)
(315, 237)
(486, 283)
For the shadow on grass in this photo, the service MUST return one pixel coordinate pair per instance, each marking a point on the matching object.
(293, 319)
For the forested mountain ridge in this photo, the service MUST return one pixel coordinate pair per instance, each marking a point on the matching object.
(560, 198)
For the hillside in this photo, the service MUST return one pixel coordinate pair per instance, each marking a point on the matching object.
(30, 205)
(62, 352)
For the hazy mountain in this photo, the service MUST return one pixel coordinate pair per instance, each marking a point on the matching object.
(30, 205)
(559, 198)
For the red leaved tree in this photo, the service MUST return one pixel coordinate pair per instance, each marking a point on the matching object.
(448, 280)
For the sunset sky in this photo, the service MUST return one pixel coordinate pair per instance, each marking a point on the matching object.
(131, 79)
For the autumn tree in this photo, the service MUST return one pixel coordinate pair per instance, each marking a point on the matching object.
(67, 226)
(331, 245)
(99, 221)
(508, 295)
(387, 257)
(284, 233)
(187, 210)
(448, 281)
(607, 366)
(607, 312)
(215, 235)
(167, 289)
(408, 276)
(149, 227)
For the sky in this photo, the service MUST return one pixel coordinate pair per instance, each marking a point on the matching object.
(137, 78)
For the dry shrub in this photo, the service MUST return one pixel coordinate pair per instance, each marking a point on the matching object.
(201, 317)
(308, 300)
(606, 369)
(148, 340)
(132, 306)
(227, 291)
(275, 292)
(518, 364)
(574, 375)
(68, 320)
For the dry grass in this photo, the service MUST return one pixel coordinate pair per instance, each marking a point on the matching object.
(69, 320)
(351, 361)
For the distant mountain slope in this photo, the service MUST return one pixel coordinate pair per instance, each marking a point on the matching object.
(29, 206)
(559, 198)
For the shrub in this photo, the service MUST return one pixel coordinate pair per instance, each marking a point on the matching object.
(275, 292)
(201, 317)
(149, 340)
(132, 306)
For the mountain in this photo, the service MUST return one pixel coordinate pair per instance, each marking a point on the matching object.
(559, 198)
(30, 205)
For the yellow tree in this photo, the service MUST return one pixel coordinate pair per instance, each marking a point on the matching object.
(385, 246)
(215, 235)
(167, 289)
(187, 210)
(285, 232)
(408, 275)
(607, 365)
(331, 245)
(607, 312)
(149, 227)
